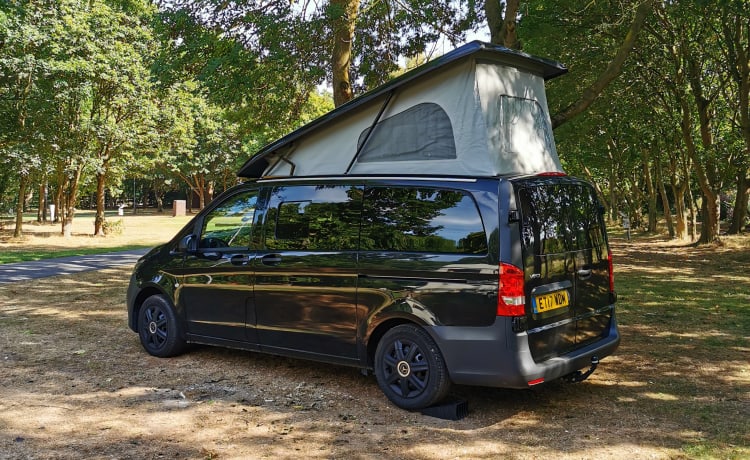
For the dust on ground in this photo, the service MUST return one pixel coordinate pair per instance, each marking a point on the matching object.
(75, 383)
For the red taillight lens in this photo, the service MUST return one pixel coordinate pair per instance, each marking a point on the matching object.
(511, 300)
(611, 271)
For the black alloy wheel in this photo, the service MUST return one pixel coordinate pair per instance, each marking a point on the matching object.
(410, 368)
(159, 329)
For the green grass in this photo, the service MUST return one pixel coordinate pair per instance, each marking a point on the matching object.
(41, 241)
(42, 254)
(685, 317)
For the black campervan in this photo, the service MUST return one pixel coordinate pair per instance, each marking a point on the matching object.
(416, 232)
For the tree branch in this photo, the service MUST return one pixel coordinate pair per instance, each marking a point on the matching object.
(613, 70)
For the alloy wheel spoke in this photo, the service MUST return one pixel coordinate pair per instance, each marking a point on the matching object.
(404, 383)
(399, 347)
(413, 351)
(390, 362)
(418, 383)
(420, 366)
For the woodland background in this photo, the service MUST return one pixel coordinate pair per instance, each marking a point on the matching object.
(110, 102)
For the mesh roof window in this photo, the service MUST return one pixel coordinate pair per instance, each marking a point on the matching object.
(422, 132)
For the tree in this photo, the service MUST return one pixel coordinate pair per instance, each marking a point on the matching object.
(356, 43)
(501, 20)
(24, 63)
(120, 87)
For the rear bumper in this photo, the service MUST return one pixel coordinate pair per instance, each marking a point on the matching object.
(495, 356)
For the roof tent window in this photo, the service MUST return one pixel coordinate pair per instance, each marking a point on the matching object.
(524, 127)
(422, 132)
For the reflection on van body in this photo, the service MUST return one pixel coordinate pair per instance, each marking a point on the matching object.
(332, 268)
(425, 232)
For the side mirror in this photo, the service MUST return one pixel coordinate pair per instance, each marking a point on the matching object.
(187, 244)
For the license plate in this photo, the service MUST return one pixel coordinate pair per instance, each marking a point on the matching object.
(551, 301)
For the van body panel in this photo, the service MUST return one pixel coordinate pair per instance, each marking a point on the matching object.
(329, 263)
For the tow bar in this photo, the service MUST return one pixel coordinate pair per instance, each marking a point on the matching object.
(579, 376)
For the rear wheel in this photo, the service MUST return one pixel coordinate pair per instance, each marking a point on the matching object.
(158, 328)
(410, 368)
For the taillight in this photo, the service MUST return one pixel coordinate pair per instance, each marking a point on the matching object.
(611, 271)
(511, 300)
(552, 174)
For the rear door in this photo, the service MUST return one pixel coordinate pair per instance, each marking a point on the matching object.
(565, 262)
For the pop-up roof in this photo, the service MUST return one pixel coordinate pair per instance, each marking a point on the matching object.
(479, 110)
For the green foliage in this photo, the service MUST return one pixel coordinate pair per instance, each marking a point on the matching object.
(114, 227)
(681, 61)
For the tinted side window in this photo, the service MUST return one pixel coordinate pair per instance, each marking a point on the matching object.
(421, 220)
(230, 224)
(315, 218)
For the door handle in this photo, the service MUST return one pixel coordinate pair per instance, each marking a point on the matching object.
(584, 273)
(271, 259)
(239, 259)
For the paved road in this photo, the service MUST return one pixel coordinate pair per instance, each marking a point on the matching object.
(22, 271)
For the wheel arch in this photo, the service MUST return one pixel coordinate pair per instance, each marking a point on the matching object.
(377, 334)
(141, 297)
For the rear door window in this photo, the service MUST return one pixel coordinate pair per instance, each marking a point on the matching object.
(411, 219)
(565, 259)
(560, 218)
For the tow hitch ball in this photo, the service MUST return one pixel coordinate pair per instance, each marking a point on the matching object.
(579, 376)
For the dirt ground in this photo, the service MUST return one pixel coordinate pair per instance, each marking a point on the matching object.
(75, 383)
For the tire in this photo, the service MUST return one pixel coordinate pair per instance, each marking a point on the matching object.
(159, 329)
(410, 368)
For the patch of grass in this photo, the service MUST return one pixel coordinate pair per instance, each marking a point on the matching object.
(43, 253)
(44, 241)
(685, 315)
(707, 450)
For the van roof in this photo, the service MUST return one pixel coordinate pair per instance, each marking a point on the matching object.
(545, 68)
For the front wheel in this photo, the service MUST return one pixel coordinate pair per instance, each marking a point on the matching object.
(159, 329)
(410, 368)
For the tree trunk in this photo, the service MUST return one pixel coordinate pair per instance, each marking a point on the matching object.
(740, 204)
(68, 198)
(343, 17)
(208, 192)
(664, 200)
(693, 208)
(41, 212)
(651, 191)
(681, 228)
(101, 179)
(502, 24)
(23, 181)
(710, 209)
(201, 196)
(156, 187)
(614, 212)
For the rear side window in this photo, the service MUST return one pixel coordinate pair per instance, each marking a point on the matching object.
(314, 218)
(421, 220)
(560, 218)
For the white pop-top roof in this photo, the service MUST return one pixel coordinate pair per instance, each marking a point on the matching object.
(480, 110)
